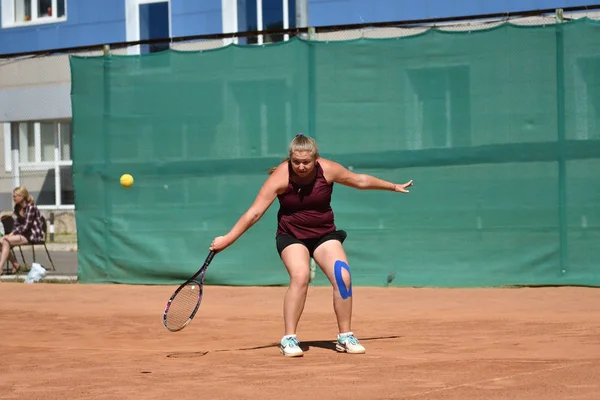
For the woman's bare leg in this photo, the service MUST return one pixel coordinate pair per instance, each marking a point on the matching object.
(297, 262)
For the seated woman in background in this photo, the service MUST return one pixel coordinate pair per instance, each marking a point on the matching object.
(27, 228)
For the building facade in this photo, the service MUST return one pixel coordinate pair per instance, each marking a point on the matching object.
(35, 108)
(35, 25)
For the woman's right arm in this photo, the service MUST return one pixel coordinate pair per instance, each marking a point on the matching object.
(275, 183)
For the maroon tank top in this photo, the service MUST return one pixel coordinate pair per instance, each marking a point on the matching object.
(305, 210)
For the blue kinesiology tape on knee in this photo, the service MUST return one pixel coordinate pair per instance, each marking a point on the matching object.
(345, 292)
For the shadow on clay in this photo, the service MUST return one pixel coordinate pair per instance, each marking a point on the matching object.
(305, 346)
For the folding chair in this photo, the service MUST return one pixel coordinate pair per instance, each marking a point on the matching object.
(42, 243)
(8, 223)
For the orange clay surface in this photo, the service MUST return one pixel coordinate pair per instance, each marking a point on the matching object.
(75, 341)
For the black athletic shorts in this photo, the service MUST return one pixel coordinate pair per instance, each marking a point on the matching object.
(283, 240)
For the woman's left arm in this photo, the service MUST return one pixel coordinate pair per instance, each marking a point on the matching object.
(339, 174)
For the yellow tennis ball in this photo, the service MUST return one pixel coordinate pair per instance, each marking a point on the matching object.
(126, 180)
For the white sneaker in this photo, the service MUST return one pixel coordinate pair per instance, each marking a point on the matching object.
(349, 343)
(290, 347)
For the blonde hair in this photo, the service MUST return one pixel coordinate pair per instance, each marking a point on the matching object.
(22, 191)
(300, 143)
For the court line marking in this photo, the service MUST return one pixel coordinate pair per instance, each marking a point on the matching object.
(60, 348)
(556, 368)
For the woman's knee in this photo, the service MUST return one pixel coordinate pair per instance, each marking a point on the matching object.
(299, 273)
(297, 262)
(341, 271)
(334, 262)
(342, 279)
(300, 281)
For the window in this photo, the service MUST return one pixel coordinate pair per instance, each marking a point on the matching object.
(147, 20)
(587, 109)
(442, 107)
(66, 153)
(258, 15)
(37, 141)
(265, 122)
(154, 24)
(26, 139)
(20, 12)
(47, 141)
(43, 161)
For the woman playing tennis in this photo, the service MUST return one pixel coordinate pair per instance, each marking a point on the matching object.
(303, 184)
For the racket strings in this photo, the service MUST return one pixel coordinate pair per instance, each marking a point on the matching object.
(183, 305)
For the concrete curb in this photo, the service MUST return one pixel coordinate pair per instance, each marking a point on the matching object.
(71, 247)
(47, 278)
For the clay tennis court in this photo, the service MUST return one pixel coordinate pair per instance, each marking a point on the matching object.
(75, 341)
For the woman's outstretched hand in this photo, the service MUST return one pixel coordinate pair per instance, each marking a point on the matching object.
(402, 188)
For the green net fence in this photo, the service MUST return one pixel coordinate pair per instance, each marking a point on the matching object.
(499, 128)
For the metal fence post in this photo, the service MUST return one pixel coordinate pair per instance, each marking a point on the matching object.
(561, 142)
(51, 227)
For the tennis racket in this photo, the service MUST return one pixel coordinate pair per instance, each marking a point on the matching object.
(185, 301)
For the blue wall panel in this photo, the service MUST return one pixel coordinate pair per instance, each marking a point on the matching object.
(190, 18)
(86, 24)
(339, 12)
(89, 24)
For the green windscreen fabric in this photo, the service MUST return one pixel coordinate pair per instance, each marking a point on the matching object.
(498, 128)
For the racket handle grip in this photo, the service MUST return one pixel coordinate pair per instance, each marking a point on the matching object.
(210, 257)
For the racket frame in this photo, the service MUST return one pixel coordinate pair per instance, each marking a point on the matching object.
(201, 272)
